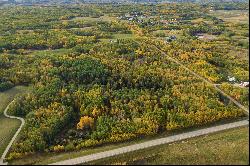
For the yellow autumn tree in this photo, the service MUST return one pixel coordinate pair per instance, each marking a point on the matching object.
(85, 121)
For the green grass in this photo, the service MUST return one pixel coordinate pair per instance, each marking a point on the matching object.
(227, 147)
(8, 126)
(123, 36)
(102, 18)
(55, 52)
(119, 36)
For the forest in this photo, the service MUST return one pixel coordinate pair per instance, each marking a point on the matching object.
(98, 77)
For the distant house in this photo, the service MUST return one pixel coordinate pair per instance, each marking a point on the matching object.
(231, 79)
(170, 38)
(200, 35)
(211, 9)
(164, 21)
(127, 15)
(113, 41)
(245, 84)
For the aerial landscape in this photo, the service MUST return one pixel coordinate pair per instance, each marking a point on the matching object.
(124, 82)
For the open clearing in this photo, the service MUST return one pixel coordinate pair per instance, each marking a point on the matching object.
(119, 36)
(102, 18)
(206, 37)
(234, 16)
(177, 33)
(228, 147)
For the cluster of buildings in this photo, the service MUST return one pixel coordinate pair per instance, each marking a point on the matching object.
(134, 16)
(169, 21)
(233, 80)
(139, 17)
(244, 84)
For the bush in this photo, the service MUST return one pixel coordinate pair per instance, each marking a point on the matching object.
(58, 148)
(69, 147)
(160, 34)
(5, 86)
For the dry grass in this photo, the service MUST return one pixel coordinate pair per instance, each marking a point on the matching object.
(233, 16)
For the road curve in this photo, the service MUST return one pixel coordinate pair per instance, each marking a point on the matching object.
(152, 143)
(16, 134)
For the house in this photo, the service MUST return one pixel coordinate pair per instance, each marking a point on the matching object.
(113, 41)
(127, 15)
(200, 35)
(211, 9)
(231, 79)
(170, 38)
(245, 84)
(164, 21)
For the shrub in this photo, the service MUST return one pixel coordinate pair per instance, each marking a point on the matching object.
(58, 148)
(5, 86)
(69, 147)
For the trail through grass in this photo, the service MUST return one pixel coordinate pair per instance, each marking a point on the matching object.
(8, 126)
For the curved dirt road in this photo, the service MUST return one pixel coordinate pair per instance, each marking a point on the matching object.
(14, 137)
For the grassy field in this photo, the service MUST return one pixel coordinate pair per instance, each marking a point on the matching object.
(118, 36)
(228, 147)
(233, 16)
(102, 18)
(8, 126)
(176, 33)
(55, 52)
(239, 53)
